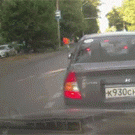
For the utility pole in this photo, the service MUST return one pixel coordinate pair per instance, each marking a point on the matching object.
(58, 22)
(81, 11)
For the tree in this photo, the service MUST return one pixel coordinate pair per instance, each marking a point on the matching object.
(115, 19)
(111, 29)
(90, 11)
(28, 20)
(72, 21)
(128, 11)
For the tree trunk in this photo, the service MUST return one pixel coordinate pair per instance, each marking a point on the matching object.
(26, 46)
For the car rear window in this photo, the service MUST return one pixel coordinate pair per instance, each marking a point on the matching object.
(107, 49)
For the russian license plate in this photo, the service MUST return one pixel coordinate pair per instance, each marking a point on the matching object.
(119, 91)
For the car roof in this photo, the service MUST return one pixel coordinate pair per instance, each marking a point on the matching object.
(109, 34)
(83, 37)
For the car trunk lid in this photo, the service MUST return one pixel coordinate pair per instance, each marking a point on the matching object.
(94, 78)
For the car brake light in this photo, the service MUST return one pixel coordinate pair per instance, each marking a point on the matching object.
(88, 49)
(106, 41)
(71, 89)
(125, 47)
(71, 77)
(73, 95)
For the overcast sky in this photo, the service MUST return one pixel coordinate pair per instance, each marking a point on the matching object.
(105, 8)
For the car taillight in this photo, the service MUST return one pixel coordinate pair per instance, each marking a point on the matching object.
(106, 41)
(71, 89)
(88, 49)
(125, 47)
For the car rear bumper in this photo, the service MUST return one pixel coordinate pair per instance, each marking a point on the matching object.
(100, 103)
(69, 101)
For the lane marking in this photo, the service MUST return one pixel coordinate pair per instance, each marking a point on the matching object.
(41, 97)
(46, 75)
(49, 105)
(57, 95)
(51, 73)
(25, 78)
(55, 71)
(21, 80)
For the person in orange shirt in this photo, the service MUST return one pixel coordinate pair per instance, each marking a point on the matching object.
(66, 41)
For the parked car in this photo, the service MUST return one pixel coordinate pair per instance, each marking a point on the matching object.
(102, 70)
(7, 50)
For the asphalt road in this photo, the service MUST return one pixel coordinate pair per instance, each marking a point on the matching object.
(30, 86)
(34, 86)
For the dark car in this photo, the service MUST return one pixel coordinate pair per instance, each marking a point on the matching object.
(102, 70)
(82, 38)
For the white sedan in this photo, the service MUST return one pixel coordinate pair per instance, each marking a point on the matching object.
(6, 50)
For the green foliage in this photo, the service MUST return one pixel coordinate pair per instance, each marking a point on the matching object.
(72, 18)
(33, 21)
(90, 11)
(115, 19)
(123, 17)
(73, 21)
(2, 40)
(128, 11)
(29, 21)
(111, 29)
